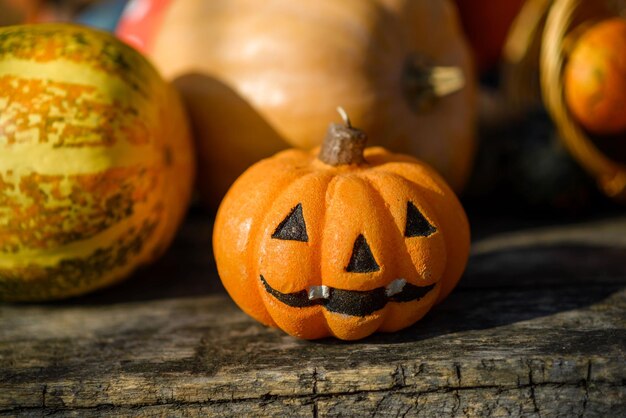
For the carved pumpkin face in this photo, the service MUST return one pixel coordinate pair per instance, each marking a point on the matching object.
(345, 250)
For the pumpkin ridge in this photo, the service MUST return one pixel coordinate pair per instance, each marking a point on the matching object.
(367, 177)
(268, 222)
(378, 197)
(398, 177)
(232, 203)
(328, 196)
(378, 179)
(308, 175)
(443, 230)
(255, 231)
(375, 319)
(357, 177)
(386, 176)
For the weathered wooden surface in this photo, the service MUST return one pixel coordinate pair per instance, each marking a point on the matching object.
(537, 328)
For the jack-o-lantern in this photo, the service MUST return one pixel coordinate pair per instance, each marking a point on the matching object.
(342, 244)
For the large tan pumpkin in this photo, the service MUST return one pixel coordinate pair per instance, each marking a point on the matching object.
(258, 76)
(95, 161)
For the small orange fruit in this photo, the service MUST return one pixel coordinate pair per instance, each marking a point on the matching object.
(595, 78)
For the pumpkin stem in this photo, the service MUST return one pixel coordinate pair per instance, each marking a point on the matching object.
(424, 83)
(344, 116)
(343, 144)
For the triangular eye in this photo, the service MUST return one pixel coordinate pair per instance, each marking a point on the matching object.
(362, 259)
(292, 227)
(416, 224)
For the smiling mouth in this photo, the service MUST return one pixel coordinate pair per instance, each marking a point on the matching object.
(351, 302)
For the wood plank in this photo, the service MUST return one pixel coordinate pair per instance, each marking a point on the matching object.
(536, 328)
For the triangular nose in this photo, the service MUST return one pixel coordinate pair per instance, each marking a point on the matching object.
(362, 259)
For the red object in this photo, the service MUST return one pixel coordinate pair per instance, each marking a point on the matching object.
(140, 22)
(486, 24)
(102, 14)
(30, 9)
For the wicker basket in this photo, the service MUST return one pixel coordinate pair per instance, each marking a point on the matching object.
(566, 21)
(520, 57)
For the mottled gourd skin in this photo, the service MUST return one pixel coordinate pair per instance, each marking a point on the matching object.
(595, 78)
(96, 164)
(291, 222)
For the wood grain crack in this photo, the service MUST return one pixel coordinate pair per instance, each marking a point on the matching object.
(266, 398)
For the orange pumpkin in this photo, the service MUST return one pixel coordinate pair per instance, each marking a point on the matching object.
(595, 78)
(95, 161)
(345, 244)
(258, 76)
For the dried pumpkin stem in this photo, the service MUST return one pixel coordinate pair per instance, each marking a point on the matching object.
(343, 144)
(424, 83)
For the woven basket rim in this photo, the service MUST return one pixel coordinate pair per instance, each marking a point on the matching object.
(520, 56)
(561, 21)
